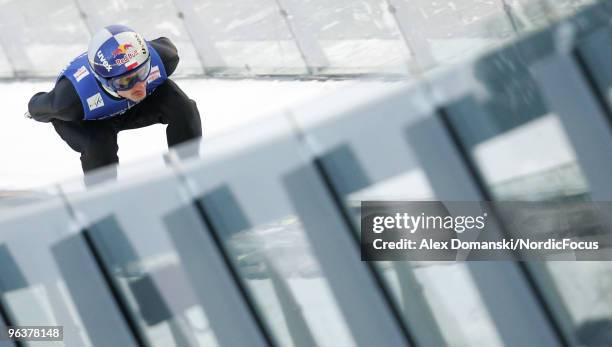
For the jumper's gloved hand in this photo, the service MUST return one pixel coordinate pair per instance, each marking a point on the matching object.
(27, 115)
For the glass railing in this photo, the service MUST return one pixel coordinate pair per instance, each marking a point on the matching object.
(276, 37)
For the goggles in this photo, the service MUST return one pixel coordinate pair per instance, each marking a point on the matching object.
(129, 80)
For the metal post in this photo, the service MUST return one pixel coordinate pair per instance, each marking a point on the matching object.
(313, 55)
(411, 25)
(88, 13)
(209, 56)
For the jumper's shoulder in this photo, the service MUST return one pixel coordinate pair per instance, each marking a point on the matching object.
(62, 102)
(167, 52)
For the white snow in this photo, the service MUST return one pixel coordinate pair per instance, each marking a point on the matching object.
(35, 156)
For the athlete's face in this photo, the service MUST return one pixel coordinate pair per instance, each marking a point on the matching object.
(137, 93)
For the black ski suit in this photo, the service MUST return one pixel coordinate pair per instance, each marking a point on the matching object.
(96, 140)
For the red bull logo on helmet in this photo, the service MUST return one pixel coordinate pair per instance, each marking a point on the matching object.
(123, 54)
(122, 49)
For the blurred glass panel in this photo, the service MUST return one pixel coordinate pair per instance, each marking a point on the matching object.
(454, 29)
(529, 15)
(356, 36)
(537, 14)
(12, 200)
(523, 153)
(370, 160)
(240, 185)
(56, 286)
(586, 288)
(41, 37)
(153, 19)
(509, 130)
(251, 36)
(565, 8)
(127, 226)
(594, 34)
(420, 292)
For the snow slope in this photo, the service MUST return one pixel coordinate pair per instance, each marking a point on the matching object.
(33, 155)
